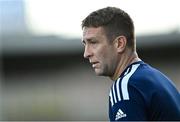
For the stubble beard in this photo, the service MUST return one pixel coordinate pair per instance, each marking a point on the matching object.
(103, 72)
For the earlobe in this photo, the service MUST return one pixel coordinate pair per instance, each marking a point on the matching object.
(121, 43)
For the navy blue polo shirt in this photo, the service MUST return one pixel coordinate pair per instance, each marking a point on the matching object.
(143, 93)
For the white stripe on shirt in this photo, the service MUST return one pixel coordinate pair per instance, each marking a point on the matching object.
(118, 90)
(124, 82)
(114, 93)
(111, 98)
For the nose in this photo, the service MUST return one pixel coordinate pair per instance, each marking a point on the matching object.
(87, 52)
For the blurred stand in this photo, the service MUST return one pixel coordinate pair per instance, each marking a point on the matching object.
(46, 77)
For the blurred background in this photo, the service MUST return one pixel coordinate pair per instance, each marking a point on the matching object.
(43, 75)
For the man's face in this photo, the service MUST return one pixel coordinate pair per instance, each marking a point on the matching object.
(100, 52)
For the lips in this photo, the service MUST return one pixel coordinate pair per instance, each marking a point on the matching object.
(94, 64)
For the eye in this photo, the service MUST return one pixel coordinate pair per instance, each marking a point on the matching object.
(89, 42)
(93, 41)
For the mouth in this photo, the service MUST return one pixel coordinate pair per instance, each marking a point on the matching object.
(94, 64)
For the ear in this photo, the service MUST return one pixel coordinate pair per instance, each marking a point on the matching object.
(120, 43)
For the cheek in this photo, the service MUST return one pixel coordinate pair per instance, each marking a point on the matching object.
(110, 58)
(102, 54)
(106, 56)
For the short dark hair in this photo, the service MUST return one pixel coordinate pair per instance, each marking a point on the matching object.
(115, 22)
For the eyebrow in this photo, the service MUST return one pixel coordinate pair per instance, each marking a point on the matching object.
(88, 40)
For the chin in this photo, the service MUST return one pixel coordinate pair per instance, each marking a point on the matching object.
(99, 72)
(102, 74)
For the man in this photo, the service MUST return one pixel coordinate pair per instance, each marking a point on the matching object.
(139, 91)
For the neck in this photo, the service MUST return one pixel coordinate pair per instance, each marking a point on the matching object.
(125, 60)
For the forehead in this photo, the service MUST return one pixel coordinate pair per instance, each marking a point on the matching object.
(91, 32)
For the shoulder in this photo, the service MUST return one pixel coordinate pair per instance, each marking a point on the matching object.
(145, 75)
(139, 83)
(150, 83)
